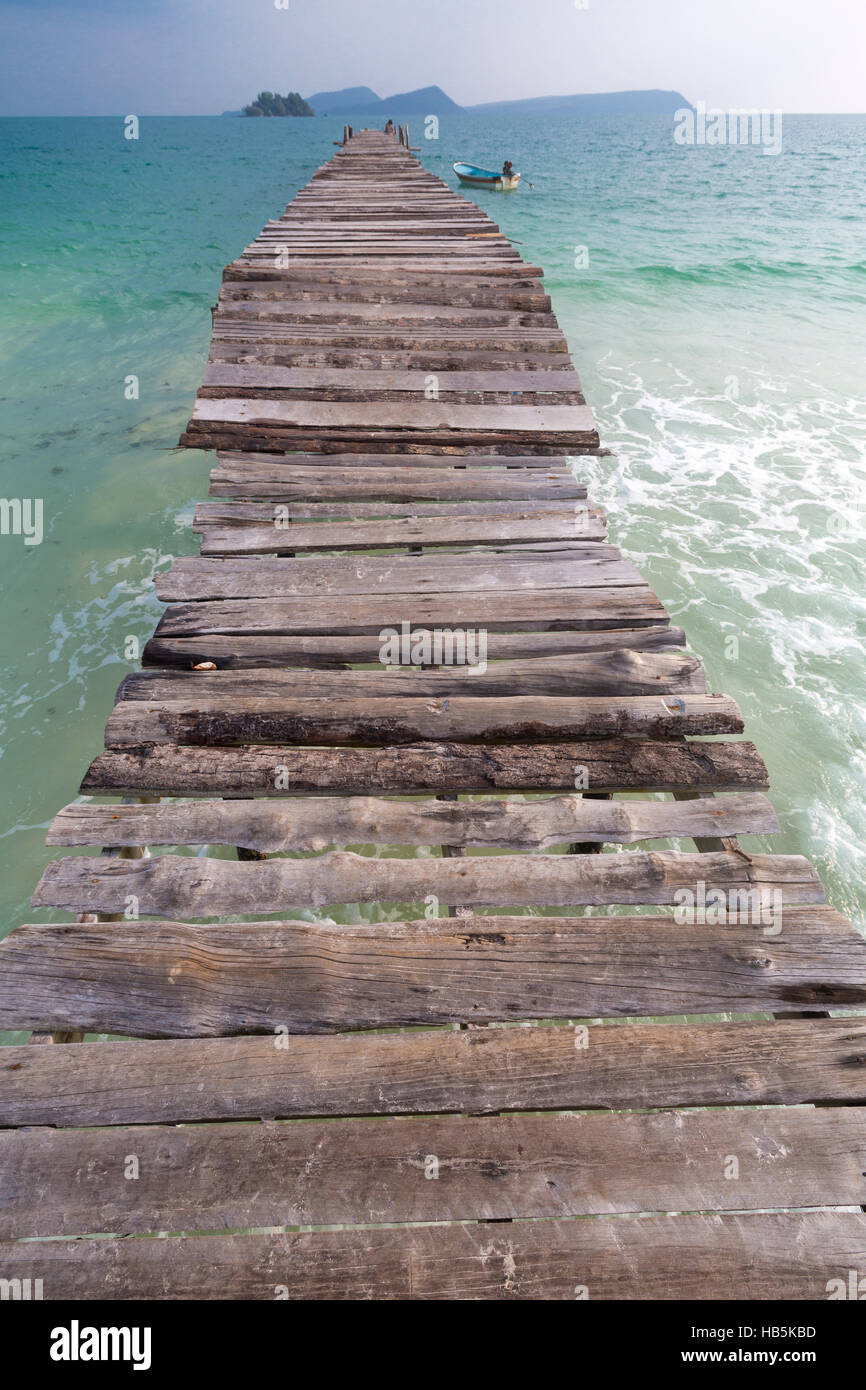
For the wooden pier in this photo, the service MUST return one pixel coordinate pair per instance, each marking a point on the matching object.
(431, 1099)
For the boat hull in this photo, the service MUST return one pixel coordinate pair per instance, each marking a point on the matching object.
(485, 178)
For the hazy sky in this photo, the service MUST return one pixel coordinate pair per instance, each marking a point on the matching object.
(187, 57)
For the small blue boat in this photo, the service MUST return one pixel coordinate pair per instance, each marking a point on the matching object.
(485, 178)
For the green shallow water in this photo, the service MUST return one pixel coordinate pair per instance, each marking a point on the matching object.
(718, 328)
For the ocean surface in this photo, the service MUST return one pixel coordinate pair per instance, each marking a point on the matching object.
(715, 302)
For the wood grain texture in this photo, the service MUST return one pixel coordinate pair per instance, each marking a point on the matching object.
(591, 566)
(484, 1070)
(282, 465)
(322, 652)
(172, 886)
(608, 673)
(753, 1257)
(70, 1182)
(318, 823)
(436, 531)
(389, 484)
(570, 422)
(170, 980)
(235, 720)
(604, 764)
(410, 383)
(460, 613)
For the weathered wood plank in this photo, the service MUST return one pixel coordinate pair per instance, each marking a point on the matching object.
(68, 1183)
(486, 1070)
(298, 510)
(171, 886)
(472, 613)
(456, 265)
(347, 312)
(277, 285)
(282, 465)
(233, 719)
(413, 383)
(375, 357)
(433, 532)
(571, 421)
(323, 652)
(282, 345)
(610, 673)
(593, 566)
(602, 765)
(396, 485)
(319, 823)
(262, 436)
(793, 1256)
(170, 980)
(407, 334)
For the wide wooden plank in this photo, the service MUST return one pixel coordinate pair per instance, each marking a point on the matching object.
(324, 652)
(485, 1070)
(281, 464)
(435, 532)
(610, 673)
(397, 485)
(373, 356)
(524, 339)
(394, 720)
(752, 1257)
(347, 312)
(460, 613)
(383, 253)
(204, 435)
(407, 335)
(316, 824)
(171, 886)
(296, 510)
(170, 980)
(472, 266)
(525, 420)
(412, 383)
(276, 285)
(593, 566)
(64, 1183)
(600, 765)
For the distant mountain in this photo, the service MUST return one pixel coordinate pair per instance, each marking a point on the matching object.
(642, 103)
(350, 99)
(426, 101)
(231, 113)
(361, 101)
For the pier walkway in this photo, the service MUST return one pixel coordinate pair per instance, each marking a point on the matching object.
(514, 1068)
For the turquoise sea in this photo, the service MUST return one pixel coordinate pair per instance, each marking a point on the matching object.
(716, 315)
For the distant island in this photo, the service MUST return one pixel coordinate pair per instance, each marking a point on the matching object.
(427, 101)
(432, 101)
(363, 101)
(272, 104)
(640, 103)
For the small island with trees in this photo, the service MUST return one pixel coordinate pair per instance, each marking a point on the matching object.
(272, 104)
